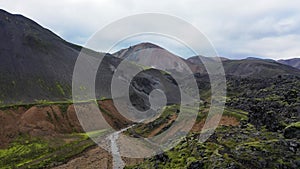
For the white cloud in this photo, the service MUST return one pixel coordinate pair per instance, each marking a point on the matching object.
(286, 46)
(268, 28)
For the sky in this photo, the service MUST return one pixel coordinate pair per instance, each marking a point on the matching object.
(237, 29)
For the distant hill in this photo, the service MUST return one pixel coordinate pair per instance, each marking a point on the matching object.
(251, 67)
(295, 62)
(198, 59)
(258, 68)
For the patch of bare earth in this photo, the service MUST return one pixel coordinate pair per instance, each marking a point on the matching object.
(225, 121)
(45, 121)
(50, 121)
(93, 158)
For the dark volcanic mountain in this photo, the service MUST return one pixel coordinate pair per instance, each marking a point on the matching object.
(295, 62)
(257, 68)
(250, 67)
(33, 61)
(196, 59)
(36, 64)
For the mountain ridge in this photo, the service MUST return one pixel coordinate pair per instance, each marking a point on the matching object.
(37, 65)
(294, 62)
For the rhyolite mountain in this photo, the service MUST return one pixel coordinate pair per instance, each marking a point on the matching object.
(295, 62)
(155, 55)
(126, 52)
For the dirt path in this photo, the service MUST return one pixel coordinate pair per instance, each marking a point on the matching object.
(93, 158)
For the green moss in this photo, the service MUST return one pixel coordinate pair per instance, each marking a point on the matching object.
(103, 98)
(296, 125)
(21, 152)
(55, 116)
(238, 114)
(60, 89)
(63, 108)
(30, 152)
(82, 88)
(49, 117)
(93, 134)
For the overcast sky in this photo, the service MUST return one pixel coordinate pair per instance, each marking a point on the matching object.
(238, 29)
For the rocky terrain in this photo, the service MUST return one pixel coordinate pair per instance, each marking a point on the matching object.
(266, 135)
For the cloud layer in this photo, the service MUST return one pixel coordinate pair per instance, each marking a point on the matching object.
(238, 29)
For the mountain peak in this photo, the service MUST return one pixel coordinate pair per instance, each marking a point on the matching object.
(145, 45)
(258, 59)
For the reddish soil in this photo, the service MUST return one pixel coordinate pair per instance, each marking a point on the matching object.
(36, 121)
(8, 124)
(225, 121)
(49, 121)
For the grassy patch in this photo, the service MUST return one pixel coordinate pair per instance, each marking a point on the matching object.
(238, 114)
(296, 125)
(60, 88)
(30, 152)
(22, 151)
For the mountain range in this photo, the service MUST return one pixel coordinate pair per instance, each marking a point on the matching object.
(37, 65)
